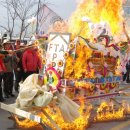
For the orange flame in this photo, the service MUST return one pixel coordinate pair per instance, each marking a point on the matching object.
(76, 68)
(79, 124)
(105, 10)
(106, 112)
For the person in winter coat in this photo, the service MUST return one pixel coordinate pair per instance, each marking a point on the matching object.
(2, 71)
(128, 71)
(10, 62)
(19, 71)
(31, 61)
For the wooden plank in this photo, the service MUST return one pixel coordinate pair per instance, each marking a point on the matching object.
(101, 96)
(51, 120)
(20, 112)
(29, 115)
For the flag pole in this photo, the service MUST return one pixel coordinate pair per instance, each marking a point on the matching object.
(39, 3)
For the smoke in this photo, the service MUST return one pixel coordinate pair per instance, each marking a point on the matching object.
(79, 1)
(96, 1)
(124, 1)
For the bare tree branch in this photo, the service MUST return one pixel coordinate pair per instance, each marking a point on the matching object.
(4, 28)
(21, 10)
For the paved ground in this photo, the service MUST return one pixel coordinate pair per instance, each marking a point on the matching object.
(5, 123)
(125, 125)
(121, 125)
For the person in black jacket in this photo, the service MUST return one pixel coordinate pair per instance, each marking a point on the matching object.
(128, 71)
(10, 62)
(3, 54)
(19, 71)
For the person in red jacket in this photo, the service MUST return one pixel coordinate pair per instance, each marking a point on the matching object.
(31, 61)
(2, 71)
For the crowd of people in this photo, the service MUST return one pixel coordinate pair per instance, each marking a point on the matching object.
(16, 62)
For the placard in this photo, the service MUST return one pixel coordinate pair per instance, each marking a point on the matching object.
(57, 46)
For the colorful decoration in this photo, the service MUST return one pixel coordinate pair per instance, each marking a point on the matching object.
(102, 80)
(105, 69)
(103, 86)
(90, 45)
(52, 78)
(66, 54)
(60, 63)
(107, 38)
(43, 61)
(123, 47)
(92, 88)
(113, 85)
(71, 46)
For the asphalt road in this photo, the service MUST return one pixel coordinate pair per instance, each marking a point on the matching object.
(5, 123)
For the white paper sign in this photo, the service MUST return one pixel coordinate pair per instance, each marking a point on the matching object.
(58, 45)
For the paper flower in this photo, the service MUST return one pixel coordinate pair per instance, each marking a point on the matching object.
(71, 46)
(66, 54)
(44, 61)
(60, 63)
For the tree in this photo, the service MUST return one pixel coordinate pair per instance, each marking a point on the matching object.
(24, 9)
(19, 11)
(11, 18)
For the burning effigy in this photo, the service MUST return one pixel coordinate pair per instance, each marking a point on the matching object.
(83, 60)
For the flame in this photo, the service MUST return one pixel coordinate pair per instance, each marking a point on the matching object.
(106, 112)
(75, 69)
(104, 10)
(26, 123)
(79, 124)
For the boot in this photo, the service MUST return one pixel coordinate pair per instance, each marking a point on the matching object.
(1, 96)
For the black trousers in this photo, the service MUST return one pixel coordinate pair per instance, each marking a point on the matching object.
(29, 73)
(126, 76)
(19, 75)
(1, 77)
(8, 83)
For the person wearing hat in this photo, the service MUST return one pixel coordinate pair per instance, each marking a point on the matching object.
(10, 62)
(4, 52)
(31, 61)
(2, 71)
(19, 71)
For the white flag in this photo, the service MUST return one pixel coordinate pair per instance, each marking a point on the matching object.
(46, 17)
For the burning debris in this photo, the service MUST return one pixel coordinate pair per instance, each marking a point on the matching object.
(107, 112)
(87, 67)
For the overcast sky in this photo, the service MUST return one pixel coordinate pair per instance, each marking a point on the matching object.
(63, 7)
